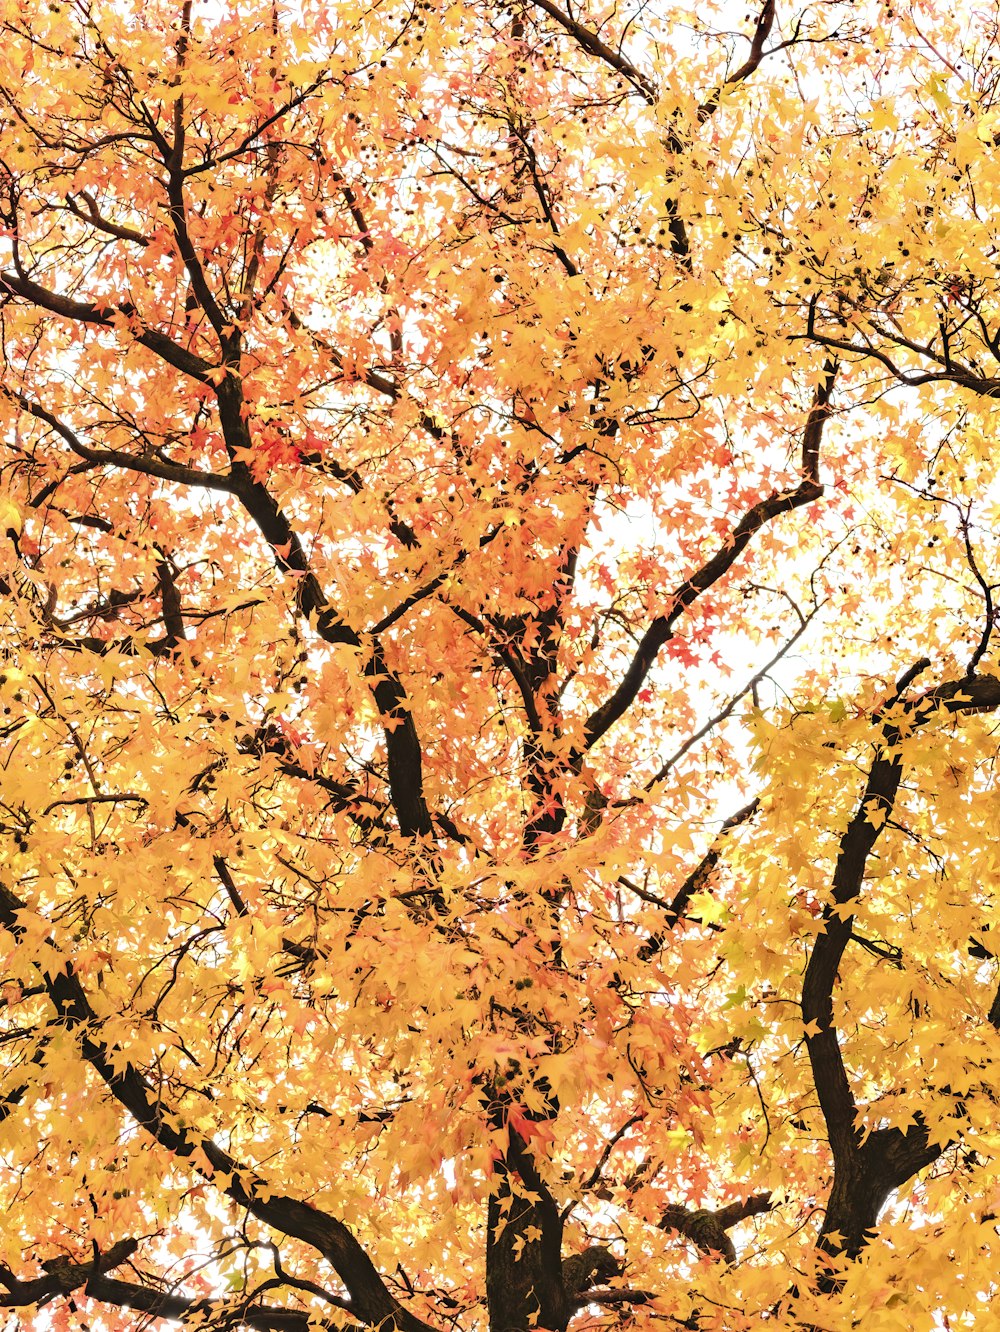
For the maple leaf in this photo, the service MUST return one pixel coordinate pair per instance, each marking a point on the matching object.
(875, 813)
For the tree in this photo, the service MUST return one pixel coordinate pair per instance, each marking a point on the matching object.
(497, 809)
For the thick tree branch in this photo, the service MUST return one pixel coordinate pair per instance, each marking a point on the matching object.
(952, 372)
(763, 512)
(93, 216)
(708, 1229)
(146, 466)
(170, 601)
(109, 316)
(64, 1277)
(200, 289)
(403, 750)
(761, 32)
(865, 1172)
(524, 1284)
(589, 41)
(222, 1314)
(371, 1300)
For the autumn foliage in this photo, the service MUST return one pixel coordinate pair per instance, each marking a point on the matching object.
(498, 699)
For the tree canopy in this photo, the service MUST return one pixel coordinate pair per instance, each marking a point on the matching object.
(499, 693)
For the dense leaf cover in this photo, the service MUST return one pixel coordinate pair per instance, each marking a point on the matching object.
(498, 818)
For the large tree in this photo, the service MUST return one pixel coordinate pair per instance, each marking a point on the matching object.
(497, 802)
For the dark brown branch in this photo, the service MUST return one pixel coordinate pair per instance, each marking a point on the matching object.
(166, 471)
(761, 32)
(431, 586)
(697, 881)
(200, 289)
(582, 1271)
(229, 883)
(708, 1229)
(983, 385)
(993, 1017)
(611, 1298)
(86, 312)
(94, 217)
(372, 1302)
(594, 1178)
(865, 1172)
(125, 798)
(62, 1275)
(170, 601)
(524, 1282)
(248, 141)
(370, 378)
(10, 1100)
(217, 1314)
(763, 512)
(590, 42)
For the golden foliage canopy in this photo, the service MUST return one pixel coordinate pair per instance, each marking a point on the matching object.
(499, 686)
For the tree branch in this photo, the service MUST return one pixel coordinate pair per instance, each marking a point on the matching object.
(166, 471)
(866, 1172)
(107, 316)
(763, 512)
(708, 1229)
(372, 1302)
(590, 42)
